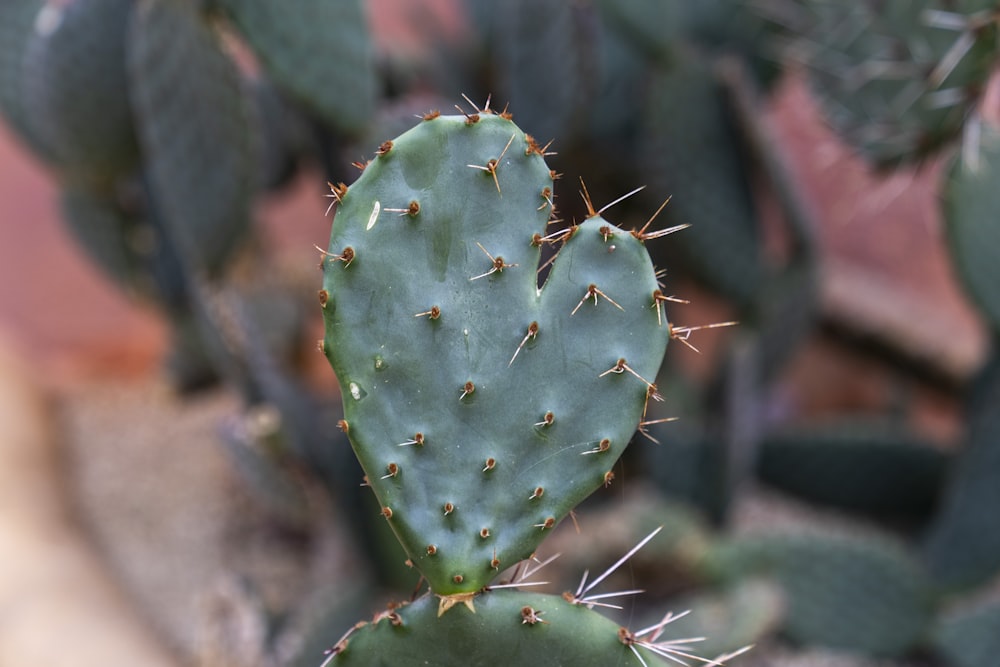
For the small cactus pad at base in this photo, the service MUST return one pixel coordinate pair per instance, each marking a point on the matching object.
(482, 407)
(507, 628)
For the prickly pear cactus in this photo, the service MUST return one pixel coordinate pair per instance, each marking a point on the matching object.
(897, 79)
(850, 594)
(76, 88)
(968, 204)
(17, 21)
(320, 52)
(686, 115)
(851, 462)
(962, 545)
(967, 637)
(482, 407)
(194, 125)
(506, 628)
(550, 93)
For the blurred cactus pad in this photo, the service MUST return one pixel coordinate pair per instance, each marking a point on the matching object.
(898, 79)
(483, 402)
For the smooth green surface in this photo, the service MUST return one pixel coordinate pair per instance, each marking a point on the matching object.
(404, 373)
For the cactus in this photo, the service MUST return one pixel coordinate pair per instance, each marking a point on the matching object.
(193, 120)
(76, 89)
(859, 465)
(107, 233)
(969, 205)
(482, 407)
(968, 637)
(506, 628)
(542, 70)
(898, 79)
(687, 114)
(318, 51)
(483, 403)
(962, 545)
(747, 613)
(868, 595)
(17, 20)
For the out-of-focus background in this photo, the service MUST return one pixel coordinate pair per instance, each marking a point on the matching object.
(172, 487)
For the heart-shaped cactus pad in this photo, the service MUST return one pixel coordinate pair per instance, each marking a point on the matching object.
(482, 407)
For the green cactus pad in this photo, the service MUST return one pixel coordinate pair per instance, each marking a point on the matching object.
(318, 51)
(858, 595)
(651, 25)
(105, 231)
(962, 546)
(692, 151)
(17, 19)
(897, 79)
(540, 55)
(745, 614)
(482, 408)
(969, 205)
(76, 88)
(968, 637)
(507, 628)
(682, 541)
(194, 125)
(858, 465)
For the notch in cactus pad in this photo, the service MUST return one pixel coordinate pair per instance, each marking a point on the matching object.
(482, 407)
